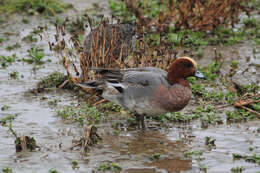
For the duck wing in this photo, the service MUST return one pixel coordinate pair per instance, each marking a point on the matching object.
(137, 76)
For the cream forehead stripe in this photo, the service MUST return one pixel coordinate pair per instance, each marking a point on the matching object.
(193, 62)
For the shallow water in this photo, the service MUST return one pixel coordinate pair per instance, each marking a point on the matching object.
(132, 150)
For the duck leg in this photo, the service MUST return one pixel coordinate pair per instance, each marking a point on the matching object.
(140, 121)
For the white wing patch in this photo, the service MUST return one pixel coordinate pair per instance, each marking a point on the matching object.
(115, 85)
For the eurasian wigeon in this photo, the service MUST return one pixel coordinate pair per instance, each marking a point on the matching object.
(147, 91)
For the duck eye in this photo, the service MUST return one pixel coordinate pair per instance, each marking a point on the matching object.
(188, 65)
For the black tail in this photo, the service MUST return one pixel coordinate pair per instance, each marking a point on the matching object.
(109, 75)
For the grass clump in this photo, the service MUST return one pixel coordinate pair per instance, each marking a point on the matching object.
(14, 74)
(239, 115)
(75, 164)
(35, 56)
(177, 117)
(187, 38)
(254, 158)
(209, 141)
(82, 114)
(14, 46)
(249, 88)
(209, 116)
(190, 153)
(212, 70)
(29, 38)
(47, 7)
(53, 80)
(113, 167)
(155, 157)
(7, 60)
(7, 169)
(53, 170)
(119, 9)
(5, 107)
(9, 118)
(1, 40)
(237, 169)
(110, 107)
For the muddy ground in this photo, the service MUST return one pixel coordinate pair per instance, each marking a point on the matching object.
(158, 150)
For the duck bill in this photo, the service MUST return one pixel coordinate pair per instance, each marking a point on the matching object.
(198, 74)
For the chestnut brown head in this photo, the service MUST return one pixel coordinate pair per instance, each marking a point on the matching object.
(182, 68)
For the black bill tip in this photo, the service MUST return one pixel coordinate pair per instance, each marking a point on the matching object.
(199, 75)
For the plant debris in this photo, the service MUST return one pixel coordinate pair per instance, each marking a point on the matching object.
(23, 143)
(246, 101)
(90, 138)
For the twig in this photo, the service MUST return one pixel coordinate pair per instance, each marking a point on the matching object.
(100, 101)
(239, 103)
(73, 146)
(250, 110)
(63, 84)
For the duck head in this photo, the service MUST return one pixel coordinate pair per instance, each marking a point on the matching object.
(182, 68)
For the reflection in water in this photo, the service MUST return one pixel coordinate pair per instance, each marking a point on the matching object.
(173, 165)
(144, 145)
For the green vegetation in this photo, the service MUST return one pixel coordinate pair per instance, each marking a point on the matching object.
(237, 169)
(5, 107)
(47, 7)
(209, 141)
(1, 40)
(75, 164)
(9, 118)
(208, 116)
(11, 47)
(53, 102)
(53, 80)
(199, 88)
(14, 74)
(254, 158)
(234, 64)
(212, 70)
(177, 117)
(237, 156)
(7, 169)
(155, 157)
(35, 56)
(203, 168)
(187, 38)
(77, 24)
(194, 39)
(109, 106)
(119, 9)
(30, 38)
(239, 115)
(53, 170)
(7, 60)
(82, 114)
(25, 21)
(250, 88)
(190, 153)
(114, 167)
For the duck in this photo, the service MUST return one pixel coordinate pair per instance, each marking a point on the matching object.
(147, 91)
